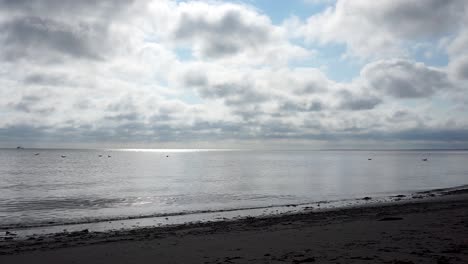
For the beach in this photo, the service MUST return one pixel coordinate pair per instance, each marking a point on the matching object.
(234, 131)
(419, 230)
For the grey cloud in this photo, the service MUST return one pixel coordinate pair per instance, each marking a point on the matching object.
(163, 116)
(249, 97)
(302, 107)
(399, 116)
(83, 104)
(21, 132)
(124, 117)
(433, 134)
(219, 130)
(45, 79)
(221, 90)
(47, 30)
(222, 37)
(248, 114)
(191, 79)
(350, 101)
(312, 87)
(455, 138)
(384, 28)
(459, 66)
(405, 79)
(275, 128)
(20, 106)
(125, 104)
(260, 102)
(104, 9)
(221, 49)
(224, 128)
(31, 98)
(233, 93)
(34, 36)
(313, 123)
(422, 18)
(29, 104)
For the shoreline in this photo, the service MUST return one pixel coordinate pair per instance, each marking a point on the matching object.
(26, 231)
(444, 207)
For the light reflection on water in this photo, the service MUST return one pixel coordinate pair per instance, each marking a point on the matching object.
(45, 188)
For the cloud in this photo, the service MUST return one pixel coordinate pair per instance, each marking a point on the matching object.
(460, 67)
(33, 36)
(456, 50)
(301, 106)
(88, 8)
(382, 28)
(118, 72)
(50, 31)
(318, 2)
(230, 31)
(358, 102)
(405, 79)
(226, 31)
(45, 79)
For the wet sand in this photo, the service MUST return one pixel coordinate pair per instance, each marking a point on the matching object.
(430, 230)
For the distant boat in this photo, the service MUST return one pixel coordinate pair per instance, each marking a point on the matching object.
(100, 155)
(109, 156)
(63, 156)
(36, 154)
(19, 147)
(424, 159)
(369, 159)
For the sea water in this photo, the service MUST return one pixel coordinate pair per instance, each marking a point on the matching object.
(43, 187)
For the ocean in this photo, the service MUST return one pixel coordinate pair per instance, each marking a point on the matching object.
(54, 187)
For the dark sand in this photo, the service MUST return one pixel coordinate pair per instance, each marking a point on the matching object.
(433, 230)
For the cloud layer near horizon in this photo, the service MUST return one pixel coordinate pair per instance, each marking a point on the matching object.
(177, 73)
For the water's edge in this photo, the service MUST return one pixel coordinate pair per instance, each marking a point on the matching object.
(21, 232)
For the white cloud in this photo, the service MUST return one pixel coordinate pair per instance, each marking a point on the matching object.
(382, 28)
(457, 52)
(114, 72)
(405, 79)
(229, 33)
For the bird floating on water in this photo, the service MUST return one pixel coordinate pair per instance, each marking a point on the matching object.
(36, 154)
(425, 159)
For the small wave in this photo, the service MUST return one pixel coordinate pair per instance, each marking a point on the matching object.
(107, 219)
(334, 204)
(10, 206)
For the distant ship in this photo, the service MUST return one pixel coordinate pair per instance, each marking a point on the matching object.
(19, 147)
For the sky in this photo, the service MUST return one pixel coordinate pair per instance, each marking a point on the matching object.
(234, 74)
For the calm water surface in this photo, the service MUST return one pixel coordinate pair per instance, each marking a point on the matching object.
(45, 188)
